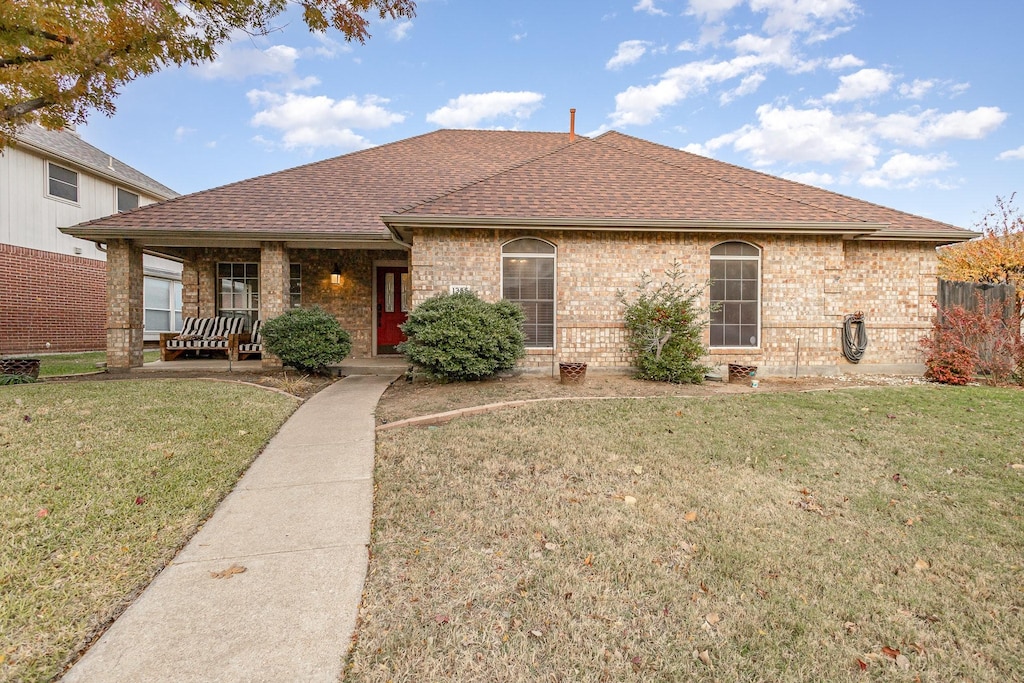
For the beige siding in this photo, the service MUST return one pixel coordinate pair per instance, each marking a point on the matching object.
(30, 217)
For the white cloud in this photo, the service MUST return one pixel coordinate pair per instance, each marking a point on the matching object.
(906, 170)
(1012, 154)
(711, 10)
(182, 132)
(958, 89)
(648, 6)
(697, 148)
(928, 127)
(860, 85)
(916, 89)
(686, 46)
(748, 85)
(790, 16)
(628, 52)
(812, 178)
(468, 111)
(806, 135)
(517, 37)
(640, 105)
(844, 62)
(400, 30)
(235, 62)
(319, 121)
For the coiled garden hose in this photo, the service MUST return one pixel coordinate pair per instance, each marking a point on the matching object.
(855, 341)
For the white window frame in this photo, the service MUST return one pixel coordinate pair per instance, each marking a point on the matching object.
(554, 281)
(252, 313)
(294, 293)
(77, 185)
(117, 201)
(174, 313)
(758, 259)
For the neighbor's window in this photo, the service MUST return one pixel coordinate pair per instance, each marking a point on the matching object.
(736, 293)
(162, 305)
(126, 201)
(238, 290)
(528, 278)
(63, 182)
(295, 285)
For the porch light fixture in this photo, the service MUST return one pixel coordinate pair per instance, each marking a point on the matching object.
(336, 275)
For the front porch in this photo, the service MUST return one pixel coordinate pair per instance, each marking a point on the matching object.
(364, 285)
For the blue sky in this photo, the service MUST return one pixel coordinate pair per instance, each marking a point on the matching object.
(913, 104)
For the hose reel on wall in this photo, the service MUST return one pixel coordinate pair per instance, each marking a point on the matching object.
(855, 336)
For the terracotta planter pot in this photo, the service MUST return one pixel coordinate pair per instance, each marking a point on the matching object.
(572, 373)
(20, 366)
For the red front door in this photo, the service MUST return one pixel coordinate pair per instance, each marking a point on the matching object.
(392, 307)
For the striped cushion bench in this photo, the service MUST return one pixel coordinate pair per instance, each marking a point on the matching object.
(200, 334)
(249, 344)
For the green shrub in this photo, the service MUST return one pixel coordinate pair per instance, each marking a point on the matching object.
(6, 380)
(461, 337)
(308, 339)
(663, 329)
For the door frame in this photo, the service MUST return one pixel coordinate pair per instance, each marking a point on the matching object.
(373, 299)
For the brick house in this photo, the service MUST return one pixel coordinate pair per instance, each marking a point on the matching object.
(556, 222)
(53, 285)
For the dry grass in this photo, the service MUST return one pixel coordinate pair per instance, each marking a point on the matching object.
(102, 483)
(551, 543)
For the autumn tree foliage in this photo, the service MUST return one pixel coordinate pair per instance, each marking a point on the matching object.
(995, 257)
(60, 59)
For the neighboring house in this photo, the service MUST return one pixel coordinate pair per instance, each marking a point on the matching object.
(555, 222)
(53, 286)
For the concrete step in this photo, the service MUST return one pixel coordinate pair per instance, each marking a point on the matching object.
(380, 367)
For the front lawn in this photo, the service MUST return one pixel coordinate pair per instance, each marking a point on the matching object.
(102, 483)
(873, 534)
(58, 364)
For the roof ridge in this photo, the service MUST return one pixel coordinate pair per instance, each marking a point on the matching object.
(477, 181)
(121, 175)
(734, 182)
(777, 178)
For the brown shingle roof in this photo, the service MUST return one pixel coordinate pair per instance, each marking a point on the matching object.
(345, 195)
(494, 176)
(590, 179)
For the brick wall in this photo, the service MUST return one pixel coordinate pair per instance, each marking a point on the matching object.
(48, 297)
(808, 283)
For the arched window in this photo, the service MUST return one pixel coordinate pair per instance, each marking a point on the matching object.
(528, 278)
(736, 293)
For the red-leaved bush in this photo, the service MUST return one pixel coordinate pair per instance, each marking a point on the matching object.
(966, 343)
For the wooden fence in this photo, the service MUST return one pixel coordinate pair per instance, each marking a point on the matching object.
(968, 295)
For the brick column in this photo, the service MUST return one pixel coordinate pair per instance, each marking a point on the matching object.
(206, 278)
(190, 287)
(124, 305)
(273, 289)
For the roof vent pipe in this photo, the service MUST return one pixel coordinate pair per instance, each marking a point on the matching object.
(572, 125)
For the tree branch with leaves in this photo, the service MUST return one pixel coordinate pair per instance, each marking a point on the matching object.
(995, 257)
(62, 59)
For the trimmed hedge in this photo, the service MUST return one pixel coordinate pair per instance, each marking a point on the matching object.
(461, 337)
(308, 339)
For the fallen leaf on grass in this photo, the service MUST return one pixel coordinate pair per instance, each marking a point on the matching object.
(638, 470)
(902, 662)
(690, 516)
(703, 656)
(921, 565)
(441, 619)
(228, 573)
(536, 634)
(139, 500)
(712, 618)
(1017, 466)
(629, 500)
(550, 546)
(890, 652)
(589, 560)
(43, 512)
(862, 665)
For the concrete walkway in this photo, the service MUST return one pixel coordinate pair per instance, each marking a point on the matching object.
(299, 524)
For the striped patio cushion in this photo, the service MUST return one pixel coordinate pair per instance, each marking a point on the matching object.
(256, 339)
(250, 348)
